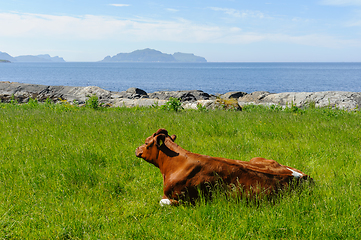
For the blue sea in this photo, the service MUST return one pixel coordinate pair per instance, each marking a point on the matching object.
(211, 78)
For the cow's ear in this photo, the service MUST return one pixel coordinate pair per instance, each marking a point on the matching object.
(173, 137)
(159, 140)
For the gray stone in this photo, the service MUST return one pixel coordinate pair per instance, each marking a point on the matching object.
(194, 105)
(226, 104)
(22, 92)
(334, 99)
(130, 93)
(184, 96)
(190, 99)
(136, 91)
(255, 97)
(138, 102)
(235, 95)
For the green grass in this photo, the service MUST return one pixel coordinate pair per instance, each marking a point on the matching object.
(71, 173)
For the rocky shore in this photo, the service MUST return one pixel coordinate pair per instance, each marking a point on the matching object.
(190, 99)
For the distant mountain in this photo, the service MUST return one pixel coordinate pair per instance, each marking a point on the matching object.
(146, 55)
(151, 55)
(5, 56)
(31, 58)
(188, 57)
(39, 58)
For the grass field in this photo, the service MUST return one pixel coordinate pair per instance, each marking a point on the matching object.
(71, 173)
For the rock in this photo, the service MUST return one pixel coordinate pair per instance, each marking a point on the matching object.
(81, 94)
(131, 93)
(194, 105)
(213, 104)
(255, 97)
(338, 99)
(136, 91)
(200, 95)
(22, 92)
(226, 104)
(184, 96)
(157, 102)
(138, 102)
(235, 95)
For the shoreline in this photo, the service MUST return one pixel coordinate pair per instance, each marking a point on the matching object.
(190, 99)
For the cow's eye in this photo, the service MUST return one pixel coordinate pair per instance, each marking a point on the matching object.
(148, 143)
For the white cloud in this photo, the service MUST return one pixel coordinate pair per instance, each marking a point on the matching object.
(172, 10)
(298, 19)
(235, 29)
(89, 27)
(239, 14)
(229, 11)
(119, 5)
(317, 40)
(41, 25)
(356, 23)
(341, 2)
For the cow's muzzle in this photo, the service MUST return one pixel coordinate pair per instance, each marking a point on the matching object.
(138, 152)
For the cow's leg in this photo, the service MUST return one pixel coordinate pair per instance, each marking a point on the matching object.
(265, 162)
(166, 201)
(257, 160)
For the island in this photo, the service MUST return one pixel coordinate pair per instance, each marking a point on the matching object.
(144, 55)
(39, 58)
(4, 61)
(31, 58)
(151, 55)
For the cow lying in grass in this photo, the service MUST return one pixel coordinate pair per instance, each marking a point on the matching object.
(186, 174)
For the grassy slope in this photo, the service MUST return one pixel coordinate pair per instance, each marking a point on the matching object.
(74, 174)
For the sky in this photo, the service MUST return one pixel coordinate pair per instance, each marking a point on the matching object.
(219, 30)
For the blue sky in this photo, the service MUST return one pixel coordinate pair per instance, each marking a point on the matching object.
(219, 30)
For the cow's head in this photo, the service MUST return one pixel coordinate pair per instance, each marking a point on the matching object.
(154, 145)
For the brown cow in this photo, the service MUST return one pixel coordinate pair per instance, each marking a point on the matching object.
(185, 174)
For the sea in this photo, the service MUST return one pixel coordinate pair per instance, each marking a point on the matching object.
(211, 77)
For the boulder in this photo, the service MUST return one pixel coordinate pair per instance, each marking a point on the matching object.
(190, 99)
(226, 104)
(235, 95)
(81, 94)
(135, 93)
(131, 93)
(255, 97)
(334, 99)
(208, 104)
(184, 96)
(22, 92)
(125, 102)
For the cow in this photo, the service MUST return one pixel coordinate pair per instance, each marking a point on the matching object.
(186, 175)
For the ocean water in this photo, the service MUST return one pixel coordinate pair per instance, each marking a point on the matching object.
(211, 78)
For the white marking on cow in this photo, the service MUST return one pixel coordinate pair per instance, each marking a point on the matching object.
(295, 174)
(164, 202)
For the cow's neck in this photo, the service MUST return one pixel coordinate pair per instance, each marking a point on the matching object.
(171, 153)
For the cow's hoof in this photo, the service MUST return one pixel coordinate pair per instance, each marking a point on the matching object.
(164, 202)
